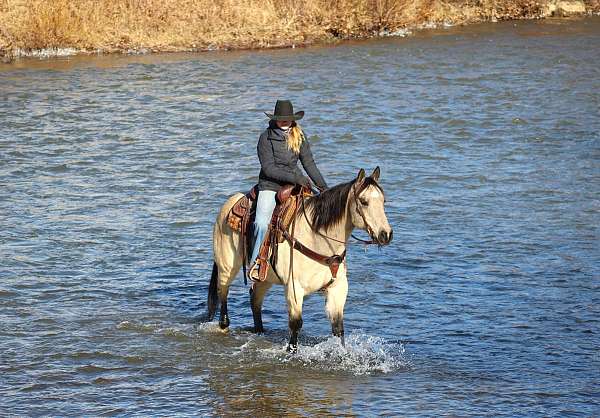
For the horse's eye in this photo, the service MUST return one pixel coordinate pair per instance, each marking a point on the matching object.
(364, 202)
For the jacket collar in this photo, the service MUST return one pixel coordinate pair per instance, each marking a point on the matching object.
(275, 133)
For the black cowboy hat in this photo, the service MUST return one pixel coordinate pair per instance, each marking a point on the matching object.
(285, 111)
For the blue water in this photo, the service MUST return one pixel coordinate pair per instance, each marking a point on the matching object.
(112, 170)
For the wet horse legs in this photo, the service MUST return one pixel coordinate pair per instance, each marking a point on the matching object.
(337, 328)
(295, 326)
(224, 317)
(336, 299)
(295, 297)
(257, 295)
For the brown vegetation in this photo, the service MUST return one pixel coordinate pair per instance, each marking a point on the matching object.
(176, 25)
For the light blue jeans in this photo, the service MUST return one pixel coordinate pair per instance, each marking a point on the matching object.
(264, 210)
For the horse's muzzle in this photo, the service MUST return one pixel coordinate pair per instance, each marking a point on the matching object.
(384, 237)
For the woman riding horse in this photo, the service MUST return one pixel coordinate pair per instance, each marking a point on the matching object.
(312, 258)
(279, 148)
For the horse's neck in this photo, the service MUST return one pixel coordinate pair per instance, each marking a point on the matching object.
(329, 242)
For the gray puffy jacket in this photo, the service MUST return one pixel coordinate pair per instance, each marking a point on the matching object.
(279, 165)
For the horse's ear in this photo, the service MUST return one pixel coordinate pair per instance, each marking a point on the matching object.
(361, 176)
(376, 173)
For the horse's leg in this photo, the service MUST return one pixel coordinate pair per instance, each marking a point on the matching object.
(336, 299)
(226, 276)
(294, 302)
(227, 259)
(224, 317)
(229, 263)
(217, 292)
(257, 295)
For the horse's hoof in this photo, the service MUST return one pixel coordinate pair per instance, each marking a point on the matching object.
(224, 323)
(292, 349)
(260, 330)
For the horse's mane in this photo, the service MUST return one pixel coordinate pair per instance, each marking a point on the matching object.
(328, 207)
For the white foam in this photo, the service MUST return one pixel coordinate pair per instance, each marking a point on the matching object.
(46, 52)
(362, 354)
(211, 327)
(400, 32)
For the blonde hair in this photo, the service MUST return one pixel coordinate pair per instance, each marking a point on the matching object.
(295, 137)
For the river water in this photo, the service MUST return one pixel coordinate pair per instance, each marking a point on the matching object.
(112, 170)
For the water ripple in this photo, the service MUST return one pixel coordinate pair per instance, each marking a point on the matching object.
(112, 170)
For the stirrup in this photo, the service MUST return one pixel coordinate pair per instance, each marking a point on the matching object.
(258, 271)
(253, 272)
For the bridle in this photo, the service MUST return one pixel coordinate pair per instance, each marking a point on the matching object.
(360, 211)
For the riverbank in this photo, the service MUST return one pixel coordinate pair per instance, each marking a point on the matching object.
(67, 27)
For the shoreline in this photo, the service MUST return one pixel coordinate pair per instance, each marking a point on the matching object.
(445, 15)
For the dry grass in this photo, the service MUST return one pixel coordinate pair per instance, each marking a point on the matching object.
(180, 24)
(175, 25)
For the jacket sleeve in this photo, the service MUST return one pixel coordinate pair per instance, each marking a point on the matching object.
(308, 162)
(267, 163)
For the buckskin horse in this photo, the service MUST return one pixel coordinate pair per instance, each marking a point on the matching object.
(310, 259)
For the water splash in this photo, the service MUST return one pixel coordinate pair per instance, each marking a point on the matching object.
(210, 328)
(363, 354)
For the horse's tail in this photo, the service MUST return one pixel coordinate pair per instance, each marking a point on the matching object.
(213, 298)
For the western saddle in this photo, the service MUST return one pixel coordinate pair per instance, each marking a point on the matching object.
(241, 218)
(289, 200)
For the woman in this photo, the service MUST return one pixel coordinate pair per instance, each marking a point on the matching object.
(279, 148)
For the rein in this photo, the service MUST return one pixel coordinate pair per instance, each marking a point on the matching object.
(364, 241)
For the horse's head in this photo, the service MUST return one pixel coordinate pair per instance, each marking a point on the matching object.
(366, 202)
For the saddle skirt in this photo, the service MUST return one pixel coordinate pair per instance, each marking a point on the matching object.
(241, 217)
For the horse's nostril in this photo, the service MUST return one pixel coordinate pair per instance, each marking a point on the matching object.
(390, 236)
(385, 237)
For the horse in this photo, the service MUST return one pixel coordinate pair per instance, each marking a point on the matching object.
(324, 225)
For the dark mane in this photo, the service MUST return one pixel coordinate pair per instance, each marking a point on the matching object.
(328, 207)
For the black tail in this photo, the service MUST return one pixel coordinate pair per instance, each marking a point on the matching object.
(213, 298)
